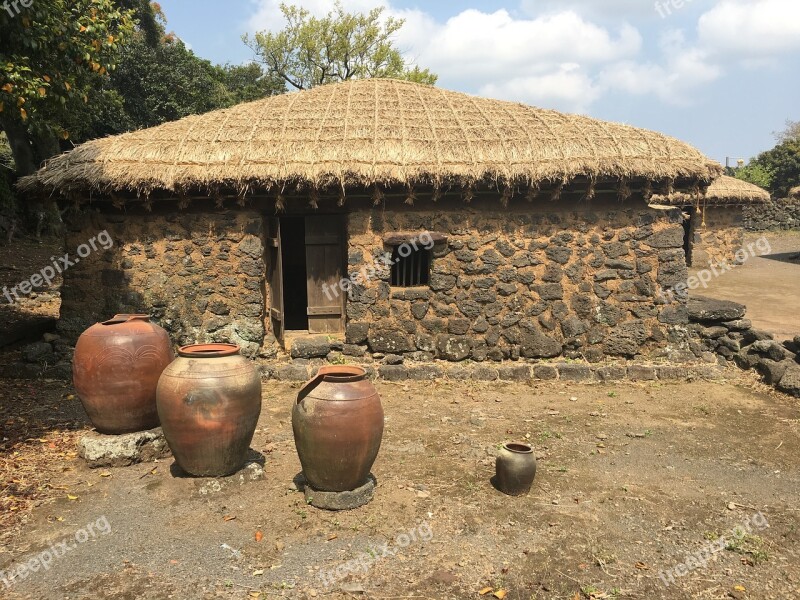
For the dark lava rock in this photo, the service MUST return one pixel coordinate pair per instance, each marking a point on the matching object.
(710, 310)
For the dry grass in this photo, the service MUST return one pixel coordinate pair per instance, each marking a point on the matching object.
(723, 191)
(371, 132)
(37, 444)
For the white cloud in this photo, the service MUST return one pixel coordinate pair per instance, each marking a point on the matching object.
(268, 15)
(615, 9)
(546, 61)
(564, 54)
(568, 87)
(751, 28)
(479, 45)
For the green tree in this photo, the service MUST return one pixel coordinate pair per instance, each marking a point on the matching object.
(53, 56)
(312, 51)
(783, 162)
(249, 82)
(755, 174)
(166, 83)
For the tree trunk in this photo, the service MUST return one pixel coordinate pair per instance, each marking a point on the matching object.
(21, 147)
(45, 145)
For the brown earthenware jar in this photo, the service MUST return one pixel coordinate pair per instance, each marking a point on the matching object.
(516, 468)
(115, 370)
(209, 401)
(338, 426)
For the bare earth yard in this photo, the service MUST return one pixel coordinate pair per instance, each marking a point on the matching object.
(632, 479)
(768, 285)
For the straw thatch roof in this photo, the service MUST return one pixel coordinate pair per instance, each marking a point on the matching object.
(794, 192)
(372, 131)
(722, 192)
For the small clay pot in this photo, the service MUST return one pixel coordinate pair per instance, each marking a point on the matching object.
(515, 467)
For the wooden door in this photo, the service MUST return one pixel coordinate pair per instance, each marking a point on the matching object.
(275, 278)
(324, 268)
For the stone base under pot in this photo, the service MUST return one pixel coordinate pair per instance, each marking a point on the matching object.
(340, 500)
(100, 450)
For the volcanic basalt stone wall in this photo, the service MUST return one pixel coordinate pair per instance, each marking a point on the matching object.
(773, 216)
(529, 282)
(201, 276)
(718, 234)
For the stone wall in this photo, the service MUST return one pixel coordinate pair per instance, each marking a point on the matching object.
(721, 328)
(718, 234)
(773, 216)
(201, 275)
(528, 282)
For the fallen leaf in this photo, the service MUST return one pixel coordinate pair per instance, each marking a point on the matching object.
(640, 565)
(258, 573)
(105, 474)
(229, 518)
(259, 536)
(485, 591)
(500, 594)
(740, 588)
(332, 536)
(71, 497)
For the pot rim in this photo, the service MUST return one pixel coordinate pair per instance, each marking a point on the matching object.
(208, 350)
(518, 447)
(126, 318)
(341, 373)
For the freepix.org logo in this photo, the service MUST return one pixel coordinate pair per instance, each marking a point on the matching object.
(14, 7)
(44, 560)
(45, 277)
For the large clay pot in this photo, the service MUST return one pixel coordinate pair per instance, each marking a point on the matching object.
(338, 426)
(209, 401)
(115, 370)
(516, 468)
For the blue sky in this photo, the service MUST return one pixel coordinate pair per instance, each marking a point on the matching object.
(720, 74)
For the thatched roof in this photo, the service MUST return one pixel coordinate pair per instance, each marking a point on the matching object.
(723, 191)
(795, 192)
(372, 131)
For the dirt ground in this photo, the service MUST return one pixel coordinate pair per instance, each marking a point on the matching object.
(28, 317)
(768, 285)
(632, 479)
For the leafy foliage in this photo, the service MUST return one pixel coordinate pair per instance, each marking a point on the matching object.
(312, 51)
(53, 54)
(783, 162)
(777, 170)
(755, 174)
(154, 85)
(249, 82)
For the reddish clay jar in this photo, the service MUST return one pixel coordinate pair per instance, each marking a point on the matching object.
(209, 401)
(115, 371)
(338, 427)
